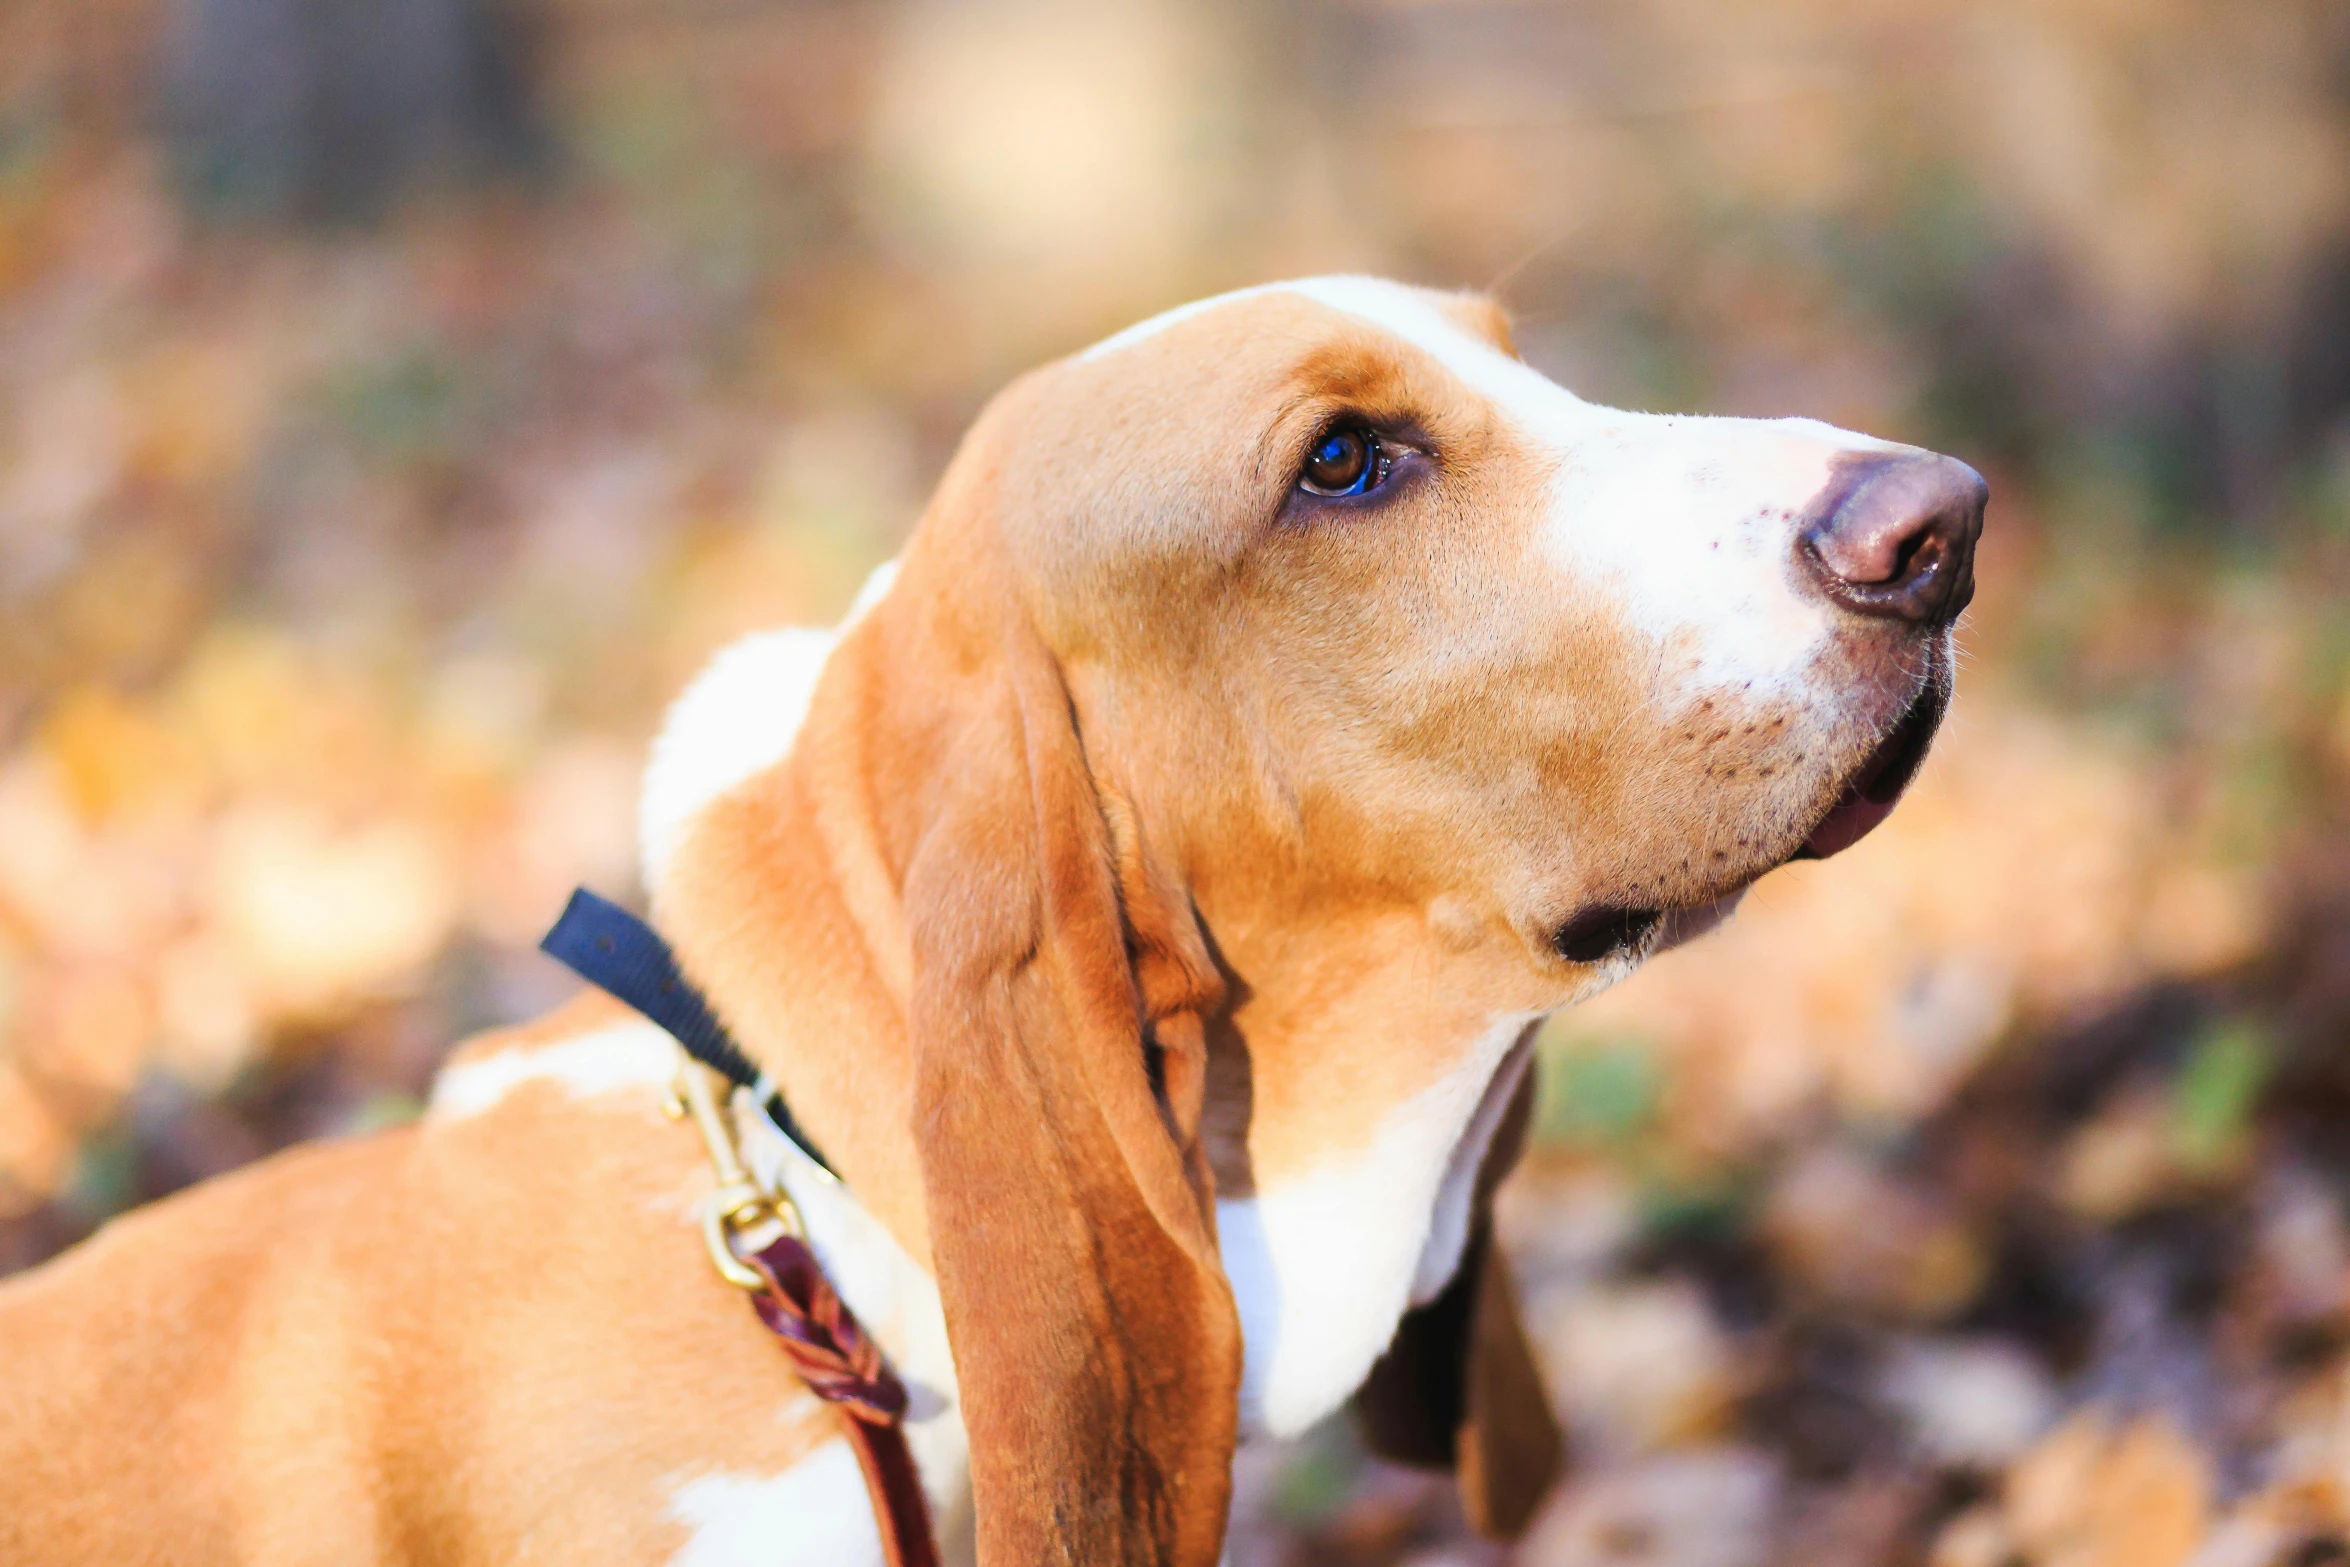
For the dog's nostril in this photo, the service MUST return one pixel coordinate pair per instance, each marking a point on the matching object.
(1894, 537)
(1907, 563)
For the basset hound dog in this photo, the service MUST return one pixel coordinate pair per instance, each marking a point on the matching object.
(1147, 899)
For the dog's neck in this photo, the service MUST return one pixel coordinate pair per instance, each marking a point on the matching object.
(768, 875)
(1350, 1093)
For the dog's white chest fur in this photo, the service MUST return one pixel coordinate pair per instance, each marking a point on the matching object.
(1323, 1266)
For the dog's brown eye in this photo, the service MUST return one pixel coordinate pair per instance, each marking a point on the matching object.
(1347, 460)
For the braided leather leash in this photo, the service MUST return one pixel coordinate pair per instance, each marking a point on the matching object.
(843, 1366)
(819, 1335)
(618, 953)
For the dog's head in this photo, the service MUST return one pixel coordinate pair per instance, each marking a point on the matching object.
(1340, 587)
(1282, 707)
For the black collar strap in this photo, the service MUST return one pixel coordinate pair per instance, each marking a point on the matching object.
(620, 954)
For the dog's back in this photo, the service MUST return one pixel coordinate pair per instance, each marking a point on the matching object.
(204, 1320)
(487, 1338)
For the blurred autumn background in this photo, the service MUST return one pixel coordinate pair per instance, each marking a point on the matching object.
(399, 399)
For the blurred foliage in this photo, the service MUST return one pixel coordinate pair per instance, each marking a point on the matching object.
(2216, 1091)
(1595, 1093)
(395, 409)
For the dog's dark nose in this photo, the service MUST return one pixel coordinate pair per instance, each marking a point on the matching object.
(1894, 537)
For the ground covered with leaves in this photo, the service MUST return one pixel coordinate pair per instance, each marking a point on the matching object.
(379, 453)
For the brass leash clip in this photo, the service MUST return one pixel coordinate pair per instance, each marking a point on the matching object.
(740, 1202)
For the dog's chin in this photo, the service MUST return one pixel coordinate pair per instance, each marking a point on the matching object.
(1882, 777)
(1612, 935)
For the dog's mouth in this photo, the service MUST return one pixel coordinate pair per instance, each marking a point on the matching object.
(1879, 784)
(1597, 935)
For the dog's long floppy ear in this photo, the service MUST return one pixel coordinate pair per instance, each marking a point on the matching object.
(1059, 984)
(1458, 1389)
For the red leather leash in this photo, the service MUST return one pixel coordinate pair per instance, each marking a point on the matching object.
(842, 1365)
(620, 954)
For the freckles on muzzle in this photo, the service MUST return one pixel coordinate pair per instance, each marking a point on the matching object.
(1883, 778)
(1891, 544)
(1749, 837)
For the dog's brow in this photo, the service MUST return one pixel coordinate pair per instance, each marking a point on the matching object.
(1388, 306)
(1154, 325)
(1507, 383)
